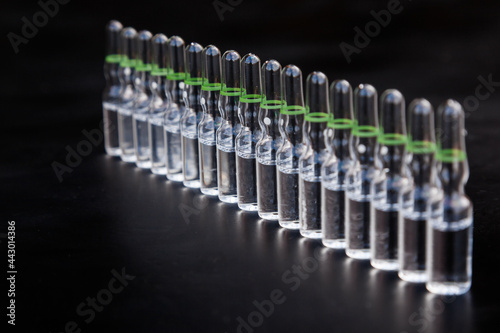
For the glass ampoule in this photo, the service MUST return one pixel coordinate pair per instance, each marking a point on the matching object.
(291, 123)
(171, 123)
(449, 233)
(314, 155)
(210, 121)
(229, 128)
(270, 141)
(389, 181)
(143, 99)
(159, 103)
(111, 93)
(362, 148)
(250, 132)
(192, 116)
(126, 74)
(336, 166)
(414, 199)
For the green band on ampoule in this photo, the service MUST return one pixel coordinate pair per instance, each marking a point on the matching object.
(293, 110)
(193, 81)
(317, 117)
(251, 98)
(176, 76)
(421, 147)
(341, 123)
(451, 155)
(392, 139)
(126, 62)
(365, 131)
(211, 86)
(141, 66)
(271, 104)
(160, 71)
(230, 91)
(113, 58)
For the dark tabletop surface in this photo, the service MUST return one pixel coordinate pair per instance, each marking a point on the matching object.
(167, 259)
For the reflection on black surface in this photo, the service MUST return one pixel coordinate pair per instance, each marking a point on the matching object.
(266, 238)
(344, 282)
(445, 314)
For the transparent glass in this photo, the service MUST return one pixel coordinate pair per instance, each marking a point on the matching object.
(176, 107)
(414, 199)
(336, 166)
(250, 133)
(210, 121)
(159, 104)
(291, 123)
(362, 149)
(229, 128)
(315, 154)
(191, 116)
(389, 181)
(270, 141)
(126, 74)
(449, 237)
(111, 93)
(142, 101)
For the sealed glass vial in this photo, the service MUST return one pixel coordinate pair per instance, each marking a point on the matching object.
(176, 106)
(314, 155)
(362, 148)
(449, 233)
(229, 128)
(111, 94)
(335, 168)
(270, 141)
(414, 199)
(191, 116)
(210, 121)
(389, 181)
(126, 74)
(291, 123)
(142, 101)
(159, 103)
(250, 132)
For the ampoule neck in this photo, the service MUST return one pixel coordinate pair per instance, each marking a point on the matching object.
(453, 177)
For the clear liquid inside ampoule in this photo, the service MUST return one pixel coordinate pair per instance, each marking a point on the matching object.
(226, 169)
(157, 145)
(288, 198)
(267, 190)
(190, 160)
(450, 256)
(125, 134)
(246, 182)
(174, 156)
(141, 132)
(358, 228)
(412, 242)
(310, 215)
(384, 233)
(332, 215)
(208, 167)
(110, 116)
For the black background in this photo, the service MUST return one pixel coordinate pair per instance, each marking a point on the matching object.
(198, 274)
